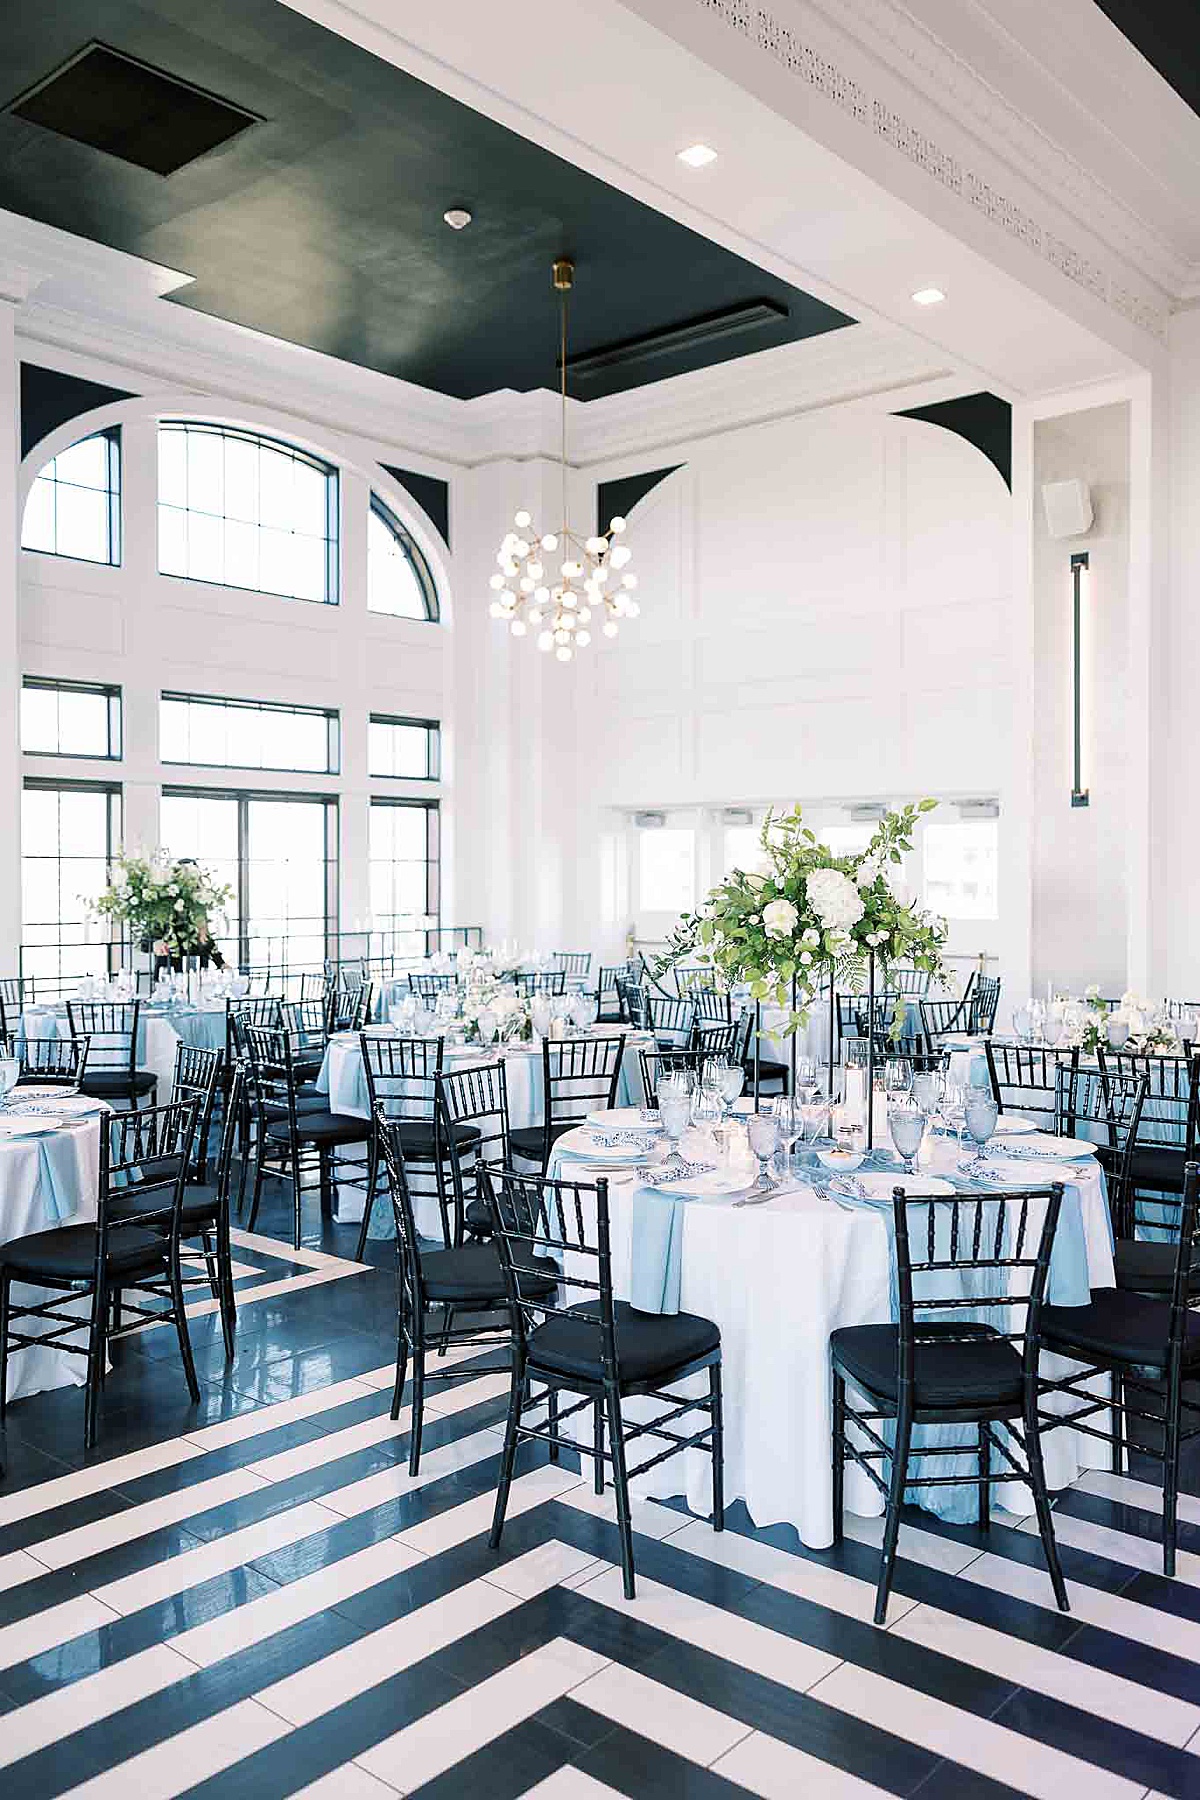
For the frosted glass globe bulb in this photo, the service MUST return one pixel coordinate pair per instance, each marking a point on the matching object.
(545, 640)
(611, 628)
(549, 542)
(518, 628)
(583, 639)
(523, 520)
(563, 653)
(617, 525)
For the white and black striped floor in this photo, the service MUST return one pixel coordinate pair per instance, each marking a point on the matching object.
(252, 1598)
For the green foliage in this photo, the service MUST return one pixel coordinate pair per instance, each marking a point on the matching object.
(169, 903)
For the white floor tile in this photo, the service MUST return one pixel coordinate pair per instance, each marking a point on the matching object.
(1091, 1606)
(459, 1523)
(979, 1744)
(334, 1444)
(55, 1625)
(19, 1566)
(649, 1518)
(349, 1782)
(175, 1573)
(457, 1396)
(569, 1783)
(740, 1641)
(272, 1613)
(794, 1574)
(192, 1756)
(660, 1713)
(1119, 1546)
(389, 1484)
(63, 1489)
(1147, 1495)
(321, 1686)
(269, 1246)
(551, 1563)
(915, 1545)
(135, 1521)
(67, 1709)
(1046, 1672)
(778, 1771)
(285, 1412)
(456, 1730)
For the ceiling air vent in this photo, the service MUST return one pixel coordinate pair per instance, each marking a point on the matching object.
(115, 103)
(737, 815)
(649, 821)
(978, 809)
(868, 814)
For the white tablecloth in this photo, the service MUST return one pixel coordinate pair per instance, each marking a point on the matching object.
(778, 1279)
(26, 1205)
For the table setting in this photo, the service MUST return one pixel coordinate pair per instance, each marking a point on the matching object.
(163, 1022)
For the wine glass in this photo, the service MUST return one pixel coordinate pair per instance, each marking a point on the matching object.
(927, 1089)
(806, 1078)
(979, 1115)
(789, 1117)
(731, 1079)
(906, 1123)
(762, 1131)
(674, 1112)
(10, 1069)
(1023, 1024)
(954, 1100)
(487, 1024)
(1052, 1028)
(897, 1076)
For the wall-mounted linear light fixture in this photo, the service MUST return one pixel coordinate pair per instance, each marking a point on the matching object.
(1079, 568)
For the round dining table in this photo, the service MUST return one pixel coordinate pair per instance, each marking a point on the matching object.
(49, 1176)
(778, 1278)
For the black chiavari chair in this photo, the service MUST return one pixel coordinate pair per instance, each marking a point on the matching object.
(51, 1062)
(402, 1080)
(111, 1071)
(430, 988)
(716, 1040)
(12, 1003)
(983, 1004)
(476, 1098)
(634, 1002)
(464, 1282)
(579, 1076)
(610, 1008)
(983, 1252)
(1146, 1217)
(196, 1076)
(132, 1246)
(1027, 1080)
(348, 1008)
(941, 1019)
(573, 963)
(541, 981)
(671, 1021)
(773, 1076)
(291, 1142)
(912, 983)
(307, 1025)
(1149, 1346)
(599, 1349)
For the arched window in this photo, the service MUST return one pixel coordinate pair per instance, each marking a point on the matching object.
(399, 580)
(74, 505)
(244, 511)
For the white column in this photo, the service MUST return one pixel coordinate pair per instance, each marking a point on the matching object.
(10, 658)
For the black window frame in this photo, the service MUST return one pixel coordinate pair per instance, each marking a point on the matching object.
(433, 746)
(432, 808)
(114, 791)
(116, 481)
(331, 715)
(111, 691)
(418, 561)
(333, 512)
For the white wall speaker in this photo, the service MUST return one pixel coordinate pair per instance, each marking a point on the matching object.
(1068, 507)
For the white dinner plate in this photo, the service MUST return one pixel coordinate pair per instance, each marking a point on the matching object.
(1064, 1148)
(582, 1142)
(24, 1128)
(623, 1118)
(1015, 1125)
(79, 1106)
(707, 1187)
(877, 1184)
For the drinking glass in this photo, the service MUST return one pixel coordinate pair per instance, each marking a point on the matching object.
(731, 1079)
(954, 1099)
(583, 1010)
(806, 1078)
(1023, 1025)
(10, 1068)
(1052, 1029)
(897, 1076)
(789, 1117)
(906, 1123)
(679, 1081)
(814, 1114)
(1118, 1032)
(706, 1108)
(539, 1015)
(762, 1131)
(927, 1089)
(487, 1023)
(979, 1115)
(674, 1112)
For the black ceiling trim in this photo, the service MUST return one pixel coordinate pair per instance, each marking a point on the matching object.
(49, 398)
(983, 419)
(1166, 37)
(616, 498)
(128, 108)
(675, 340)
(430, 494)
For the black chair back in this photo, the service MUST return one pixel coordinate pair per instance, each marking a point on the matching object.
(566, 1221)
(657, 1063)
(402, 1075)
(1031, 1081)
(610, 1003)
(348, 1008)
(998, 1241)
(939, 1018)
(715, 1039)
(261, 1009)
(409, 1282)
(579, 1076)
(670, 1020)
(51, 1062)
(983, 1002)
(573, 962)
(197, 1072)
(541, 981)
(1124, 1100)
(272, 1076)
(713, 1007)
(1171, 1114)
(307, 1028)
(431, 987)
(912, 983)
(144, 1161)
(111, 1028)
(475, 1096)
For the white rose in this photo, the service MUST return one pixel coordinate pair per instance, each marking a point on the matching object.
(868, 870)
(812, 936)
(834, 898)
(805, 958)
(779, 918)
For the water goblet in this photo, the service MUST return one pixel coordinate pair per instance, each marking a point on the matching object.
(487, 1024)
(10, 1069)
(583, 1010)
(979, 1116)
(927, 1089)
(731, 1079)
(762, 1132)
(674, 1112)
(954, 1099)
(790, 1119)
(1118, 1031)
(897, 1075)
(1052, 1028)
(906, 1123)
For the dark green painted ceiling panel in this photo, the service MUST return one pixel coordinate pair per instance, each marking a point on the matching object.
(983, 419)
(322, 224)
(49, 398)
(616, 498)
(430, 494)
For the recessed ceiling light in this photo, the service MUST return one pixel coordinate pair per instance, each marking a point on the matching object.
(457, 218)
(928, 296)
(698, 156)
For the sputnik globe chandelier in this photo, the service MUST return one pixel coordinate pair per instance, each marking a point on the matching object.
(556, 583)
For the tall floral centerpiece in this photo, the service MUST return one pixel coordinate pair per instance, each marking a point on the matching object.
(805, 918)
(167, 905)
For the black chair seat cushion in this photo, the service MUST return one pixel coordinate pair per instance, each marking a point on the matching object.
(649, 1345)
(418, 1138)
(1149, 1268)
(529, 1141)
(68, 1253)
(473, 1273)
(107, 1084)
(1117, 1326)
(306, 1102)
(477, 1218)
(322, 1128)
(983, 1371)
